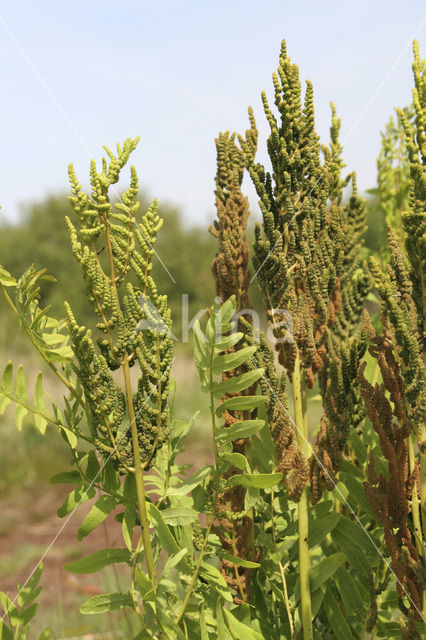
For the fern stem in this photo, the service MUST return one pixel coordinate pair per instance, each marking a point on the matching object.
(303, 522)
(140, 486)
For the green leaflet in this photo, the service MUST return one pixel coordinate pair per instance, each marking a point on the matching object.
(228, 341)
(174, 560)
(60, 354)
(6, 279)
(180, 430)
(321, 527)
(358, 446)
(200, 353)
(190, 483)
(317, 599)
(237, 460)
(110, 477)
(31, 590)
(145, 586)
(241, 403)
(5, 632)
(163, 532)
(239, 562)
(172, 631)
(356, 495)
(67, 477)
(98, 560)
(22, 396)
(335, 617)
(203, 626)
(229, 361)
(237, 383)
(29, 613)
(128, 525)
(75, 498)
(52, 339)
(256, 480)
(356, 533)
(349, 593)
(179, 516)
(40, 422)
(222, 631)
(325, 568)
(322, 571)
(20, 614)
(242, 429)
(69, 436)
(6, 386)
(92, 468)
(8, 606)
(216, 579)
(239, 630)
(106, 602)
(251, 497)
(356, 557)
(6, 383)
(97, 514)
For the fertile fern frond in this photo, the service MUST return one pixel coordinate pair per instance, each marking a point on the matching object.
(400, 328)
(393, 173)
(230, 267)
(341, 413)
(397, 406)
(115, 256)
(291, 460)
(301, 259)
(392, 495)
(414, 220)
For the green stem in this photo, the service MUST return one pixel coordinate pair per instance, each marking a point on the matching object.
(140, 486)
(303, 521)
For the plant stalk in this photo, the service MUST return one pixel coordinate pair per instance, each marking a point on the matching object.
(140, 486)
(303, 521)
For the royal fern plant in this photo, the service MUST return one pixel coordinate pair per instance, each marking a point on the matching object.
(309, 522)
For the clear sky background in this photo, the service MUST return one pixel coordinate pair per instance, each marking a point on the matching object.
(79, 74)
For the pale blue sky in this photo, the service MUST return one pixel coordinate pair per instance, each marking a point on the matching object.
(177, 73)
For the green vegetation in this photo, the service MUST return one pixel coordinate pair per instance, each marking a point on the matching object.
(304, 515)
